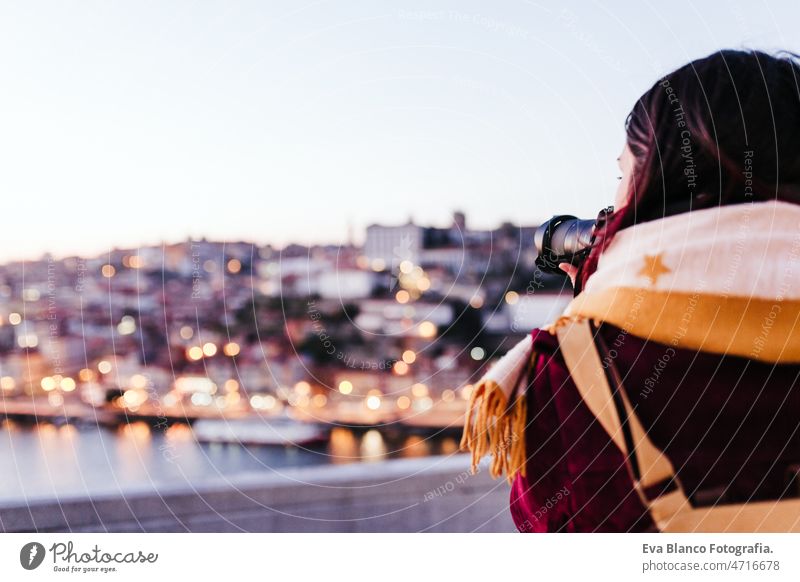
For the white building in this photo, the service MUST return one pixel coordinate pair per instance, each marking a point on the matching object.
(392, 245)
(344, 284)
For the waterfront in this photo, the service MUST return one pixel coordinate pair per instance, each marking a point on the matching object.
(47, 461)
(149, 368)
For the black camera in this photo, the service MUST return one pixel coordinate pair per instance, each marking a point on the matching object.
(566, 239)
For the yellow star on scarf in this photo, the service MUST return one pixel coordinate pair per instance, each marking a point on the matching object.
(653, 268)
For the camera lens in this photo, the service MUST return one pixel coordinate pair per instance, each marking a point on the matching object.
(565, 239)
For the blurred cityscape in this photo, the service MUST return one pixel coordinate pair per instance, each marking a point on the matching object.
(264, 346)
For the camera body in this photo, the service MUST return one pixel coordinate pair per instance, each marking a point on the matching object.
(566, 239)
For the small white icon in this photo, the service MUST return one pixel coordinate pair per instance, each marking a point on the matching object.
(34, 551)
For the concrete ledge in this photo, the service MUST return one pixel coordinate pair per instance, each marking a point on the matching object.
(405, 495)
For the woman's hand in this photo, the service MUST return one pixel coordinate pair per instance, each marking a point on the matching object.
(570, 270)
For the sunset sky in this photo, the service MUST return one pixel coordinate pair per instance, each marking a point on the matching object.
(130, 123)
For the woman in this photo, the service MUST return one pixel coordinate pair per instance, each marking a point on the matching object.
(694, 283)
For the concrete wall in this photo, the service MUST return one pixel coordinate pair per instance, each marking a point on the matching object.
(407, 495)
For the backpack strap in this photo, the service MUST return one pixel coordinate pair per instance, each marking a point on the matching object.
(646, 464)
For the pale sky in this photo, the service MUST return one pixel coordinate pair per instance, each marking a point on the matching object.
(125, 123)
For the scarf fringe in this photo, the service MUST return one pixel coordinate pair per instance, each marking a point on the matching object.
(562, 320)
(493, 427)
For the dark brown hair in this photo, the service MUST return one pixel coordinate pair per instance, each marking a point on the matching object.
(720, 130)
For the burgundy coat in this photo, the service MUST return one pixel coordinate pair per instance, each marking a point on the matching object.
(728, 424)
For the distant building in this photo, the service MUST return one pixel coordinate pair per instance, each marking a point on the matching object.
(388, 246)
(461, 251)
(344, 284)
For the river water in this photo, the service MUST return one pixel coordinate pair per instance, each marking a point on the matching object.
(46, 461)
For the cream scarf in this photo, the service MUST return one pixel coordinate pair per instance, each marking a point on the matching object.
(724, 280)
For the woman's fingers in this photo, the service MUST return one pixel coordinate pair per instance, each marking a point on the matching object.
(570, 270)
